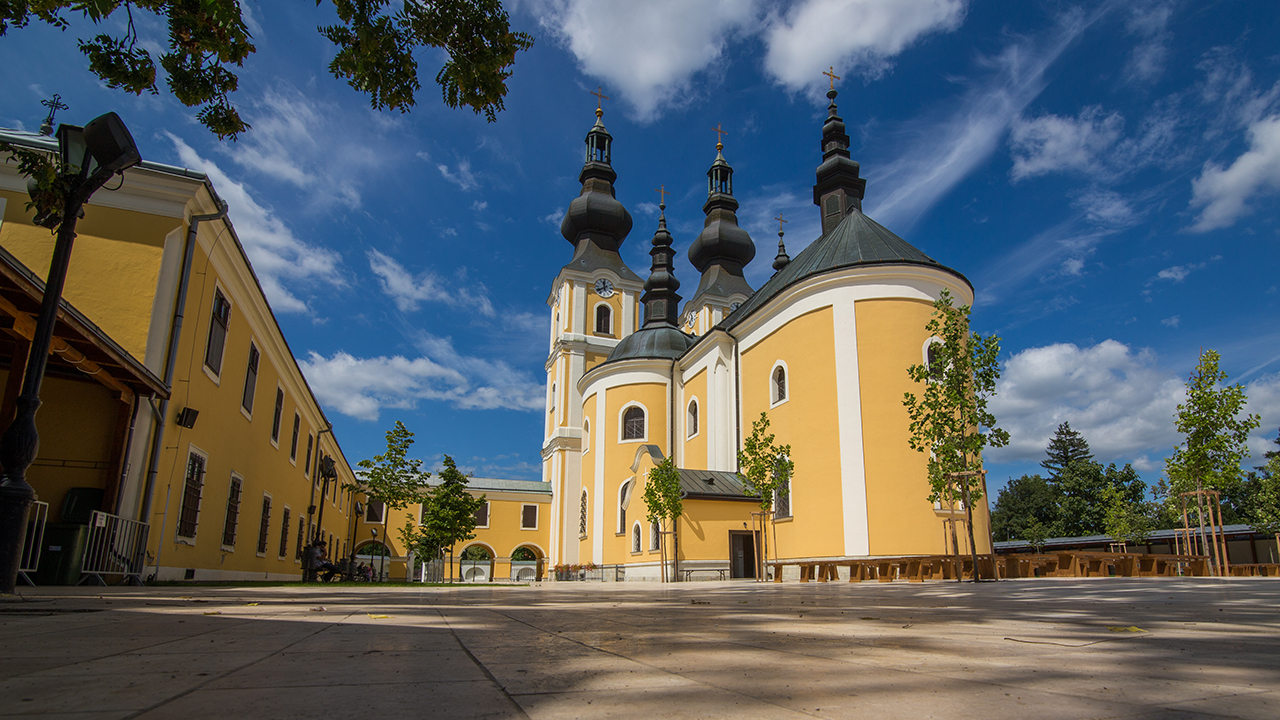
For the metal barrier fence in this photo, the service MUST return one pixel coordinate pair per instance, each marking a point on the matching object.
(33, 543)
(432, 572)
(594, 573)
(115, 546)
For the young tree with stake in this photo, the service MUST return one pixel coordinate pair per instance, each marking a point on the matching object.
(393, 478)
(766, 469)
(947, 421)
(665, 503)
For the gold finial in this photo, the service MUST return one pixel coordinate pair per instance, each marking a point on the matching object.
(719, 137)
(600, 98)
(831, 74)
(662, 195)
(780, 221)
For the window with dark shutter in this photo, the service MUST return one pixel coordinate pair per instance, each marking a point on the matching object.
(604, 320)
(284, 533)
(250, 380)
(191, 492)
(373, 511)
(221, 320)
(264, 528)
(233, 513)
(306, 468)
(529, 517)
(482, 515)
(293, 444)
(275, 418)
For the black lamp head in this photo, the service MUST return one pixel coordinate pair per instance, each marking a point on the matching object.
(110, 143)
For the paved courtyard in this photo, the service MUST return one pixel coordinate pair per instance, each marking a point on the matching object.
(1040, 649)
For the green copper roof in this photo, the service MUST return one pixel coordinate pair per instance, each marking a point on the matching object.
(857, 240)
(662, 342)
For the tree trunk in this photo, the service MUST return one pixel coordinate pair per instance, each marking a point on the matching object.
(675, 546)
(955, 541)
(973, 547)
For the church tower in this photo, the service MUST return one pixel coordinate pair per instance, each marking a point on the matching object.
(838, 190)
(594, 304)
(720, 253)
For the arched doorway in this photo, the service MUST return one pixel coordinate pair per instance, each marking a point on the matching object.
(376, 555)
(476, 563)
(527, 563)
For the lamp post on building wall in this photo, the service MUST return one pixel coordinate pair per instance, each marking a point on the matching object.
(88, 158)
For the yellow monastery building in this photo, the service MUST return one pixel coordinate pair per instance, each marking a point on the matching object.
(179, 438)
(822, 347)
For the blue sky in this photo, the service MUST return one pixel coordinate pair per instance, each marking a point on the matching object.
(1106, 174)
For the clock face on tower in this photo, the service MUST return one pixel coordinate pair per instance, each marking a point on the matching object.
(604, 288)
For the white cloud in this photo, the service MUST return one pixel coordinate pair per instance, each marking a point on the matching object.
(1118, 398)
(1264, 400)
(1052, 143)
(461, 175)
(277, 255)
(363, 387)
(942, 153)
(480, 205)
(1224, 193)
(647, 53)
(1178, 273)
(1106, 208)
(1172, 322)
(1150, 22)
(408, 290)
(1073, 266)
(851, 35)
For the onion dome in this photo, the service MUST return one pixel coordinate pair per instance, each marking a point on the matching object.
(659, 337)
(596, 216)
(722, 249)
(839, 189)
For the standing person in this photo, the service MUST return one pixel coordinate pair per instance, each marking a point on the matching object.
(310, 557)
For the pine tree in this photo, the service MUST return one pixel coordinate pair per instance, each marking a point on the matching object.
(1066, 447)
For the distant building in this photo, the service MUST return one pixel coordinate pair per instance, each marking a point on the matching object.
(1245, 546)
(224, 478)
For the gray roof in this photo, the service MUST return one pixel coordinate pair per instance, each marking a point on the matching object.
(500, 485)
(857, 240)
(713, 485)
(1156, 535)
(50, 143)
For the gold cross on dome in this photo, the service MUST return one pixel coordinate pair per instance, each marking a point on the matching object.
(831, 74)
(719, 136)
(662, 194)
(600, 97)
(780, 221)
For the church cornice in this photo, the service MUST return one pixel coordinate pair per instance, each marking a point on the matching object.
(588, 277)
(573, 343)
(565, 439)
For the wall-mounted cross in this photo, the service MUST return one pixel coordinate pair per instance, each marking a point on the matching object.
(719, 136)
(831, 74)
(600, 97)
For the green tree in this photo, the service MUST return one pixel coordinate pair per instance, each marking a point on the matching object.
(1066, 446)
(449, 514)
(664, 502)
(1035, 534)
(1262, 512)
(392, 478)
(947, 421)
(376, 42)
(766, 469)
(1125, 520)
(1083, 491)
(1021, 503)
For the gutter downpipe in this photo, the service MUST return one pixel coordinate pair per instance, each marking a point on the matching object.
(171, 354)
(675, 523)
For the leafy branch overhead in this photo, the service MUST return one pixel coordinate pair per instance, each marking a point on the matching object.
(376, 41)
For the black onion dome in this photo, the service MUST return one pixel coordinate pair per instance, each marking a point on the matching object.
(721, 241)
(596, 215)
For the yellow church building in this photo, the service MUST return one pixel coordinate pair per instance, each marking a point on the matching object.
(822, 347)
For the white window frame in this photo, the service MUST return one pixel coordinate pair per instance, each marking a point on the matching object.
(622, 429)
(537, 519)
(773, 385)
(697, 415)
(216, 377)
(636, 538)
(595, 328)
(267, 548)
(586, 435)
(280, 393)
(248, 412)
(924, 354)
(184, 539)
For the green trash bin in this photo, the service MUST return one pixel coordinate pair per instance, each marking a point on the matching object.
(62, 554)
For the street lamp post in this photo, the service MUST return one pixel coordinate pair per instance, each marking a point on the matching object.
(89, 157)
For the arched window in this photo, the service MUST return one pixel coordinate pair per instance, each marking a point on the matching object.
(553, 398)
(635, 538)
(586, 436)
(932, 354)
(655, 536)
(633, 423)
(582, 517)
(624, 498)
(692, 420)
(778, 385)
(604, 320)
